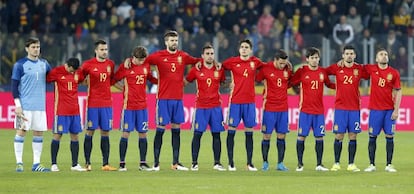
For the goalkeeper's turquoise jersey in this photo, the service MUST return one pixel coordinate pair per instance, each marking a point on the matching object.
(32, 86)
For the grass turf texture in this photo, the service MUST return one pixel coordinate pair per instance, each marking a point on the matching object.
(206, 180)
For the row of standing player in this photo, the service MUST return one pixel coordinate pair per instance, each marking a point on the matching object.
(170, 63)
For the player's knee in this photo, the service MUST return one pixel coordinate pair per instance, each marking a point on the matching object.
(352, 136)
(281, 136)
(90, 132)
(104, 133)
(125, 134)
(74, 137)
(20, 132)
(339, 136)
(267, 136)
(175, 126)
(249, 129)
(37, 133)
(142, 135)
(57, 136)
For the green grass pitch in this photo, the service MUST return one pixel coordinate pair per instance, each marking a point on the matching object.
(206, 180)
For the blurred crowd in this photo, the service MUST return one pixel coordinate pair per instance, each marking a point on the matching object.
(266, 22)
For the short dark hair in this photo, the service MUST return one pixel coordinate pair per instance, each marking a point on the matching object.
(31, 40)
(348, 47)
(381, 49)
(73, 62)
(280, 54)
(140, 52)
(99, 42)
(209, 46)
(311, 51)
(246, 41)
(170, 33)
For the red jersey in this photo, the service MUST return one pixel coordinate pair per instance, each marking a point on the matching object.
(66, 90)
(311, 88)
(383, 81)
(135, 85)
(276, 82)
(208, 85)
(99, 82)
(347, 85)
(242, 77)
(170, 69)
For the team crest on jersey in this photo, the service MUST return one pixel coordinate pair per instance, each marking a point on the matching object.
(356, 72)
(180, 59)
(389, 77)
(321, 77)
(252, 64)
(335, 128)
(108, 69)
(76, 77)
(216, 74)
(60, 128)
(285, 74)
(145, 70)
(125, 125)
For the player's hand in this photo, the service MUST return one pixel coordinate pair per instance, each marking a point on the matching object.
(18, 111)
(394, 115)
(198, 66)
(289, 66)
(20, 118)
(127, 63)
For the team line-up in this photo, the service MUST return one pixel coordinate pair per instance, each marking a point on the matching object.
(31, 73)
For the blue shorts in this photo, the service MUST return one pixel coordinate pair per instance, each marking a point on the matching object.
(169, 111)
(134, 119)
(208, 116)
(67, 124)
(314, 121)
(275, 120)
(381, 119)
(247, 112)
(347, 121)
(99, 118)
